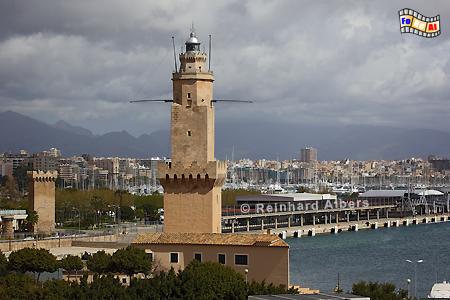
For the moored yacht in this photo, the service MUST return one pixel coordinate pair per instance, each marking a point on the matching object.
(440, 291)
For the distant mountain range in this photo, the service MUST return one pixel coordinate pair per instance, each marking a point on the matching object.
(21, 132)
(264, 140)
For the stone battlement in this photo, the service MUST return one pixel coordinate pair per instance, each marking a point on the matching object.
(41, 176)
(193, 56)
(212, 169)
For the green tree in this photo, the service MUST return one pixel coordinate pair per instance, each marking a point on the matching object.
(3, 263)
(131, 260)
(71, 264)
(140, 213)
(379, 291)
(119, 194)
(100, 262)
(98, 206)
(262, 288)
(31, 220)
(107, 287)
(197, 281)
(32, 260)
(10, 188)
(161, 286)
(61, 289)
(20, 174)
(127, 213)
(19, 286)
(211, 280)
(99, 200)
(150, 210)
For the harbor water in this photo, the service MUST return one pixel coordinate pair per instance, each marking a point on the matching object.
(373, 255)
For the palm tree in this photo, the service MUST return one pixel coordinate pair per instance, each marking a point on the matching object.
(32, 219)
(98, 205)
(119, 193)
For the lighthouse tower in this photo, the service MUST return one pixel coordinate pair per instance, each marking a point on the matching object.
(193, 180)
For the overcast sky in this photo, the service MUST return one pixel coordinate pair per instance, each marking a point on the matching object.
(324, 62)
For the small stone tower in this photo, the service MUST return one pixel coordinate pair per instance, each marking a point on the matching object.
(193, 180)
(41, 198)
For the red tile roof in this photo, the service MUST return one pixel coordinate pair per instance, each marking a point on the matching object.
(180, 238)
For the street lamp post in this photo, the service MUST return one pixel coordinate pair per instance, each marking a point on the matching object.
(415, 273)
(408, 282)
(79, 219)
(116, 218)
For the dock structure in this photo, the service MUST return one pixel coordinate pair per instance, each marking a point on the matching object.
(333, 228)
(313, 214)
(261, 212)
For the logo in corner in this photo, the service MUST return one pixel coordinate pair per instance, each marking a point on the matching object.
(413, 22)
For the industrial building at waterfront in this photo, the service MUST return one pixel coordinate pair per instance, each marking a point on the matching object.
(274, 211)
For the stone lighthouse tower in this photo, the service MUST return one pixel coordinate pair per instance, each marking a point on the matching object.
(193, 180)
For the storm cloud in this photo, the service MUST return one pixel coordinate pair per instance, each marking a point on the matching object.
(315, 62)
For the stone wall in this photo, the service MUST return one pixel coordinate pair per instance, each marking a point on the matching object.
(14, 245)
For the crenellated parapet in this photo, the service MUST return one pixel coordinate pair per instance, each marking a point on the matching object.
(192, 62)
(41, 176)
(193, 57)
(210, 174)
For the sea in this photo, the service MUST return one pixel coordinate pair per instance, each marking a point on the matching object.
(373, 255)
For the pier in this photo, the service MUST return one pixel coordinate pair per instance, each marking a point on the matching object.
(304, 214)
(333, 226)
(317, 218)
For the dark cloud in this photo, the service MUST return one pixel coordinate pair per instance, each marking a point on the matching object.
(316, 62)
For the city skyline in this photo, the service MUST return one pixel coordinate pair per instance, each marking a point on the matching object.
(349, 65)
(90, 172)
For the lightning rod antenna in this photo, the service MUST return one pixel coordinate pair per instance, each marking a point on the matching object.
(209, 55)
(174, 54)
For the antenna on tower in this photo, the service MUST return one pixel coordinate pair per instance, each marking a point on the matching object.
(209, 55)
(174, 54)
